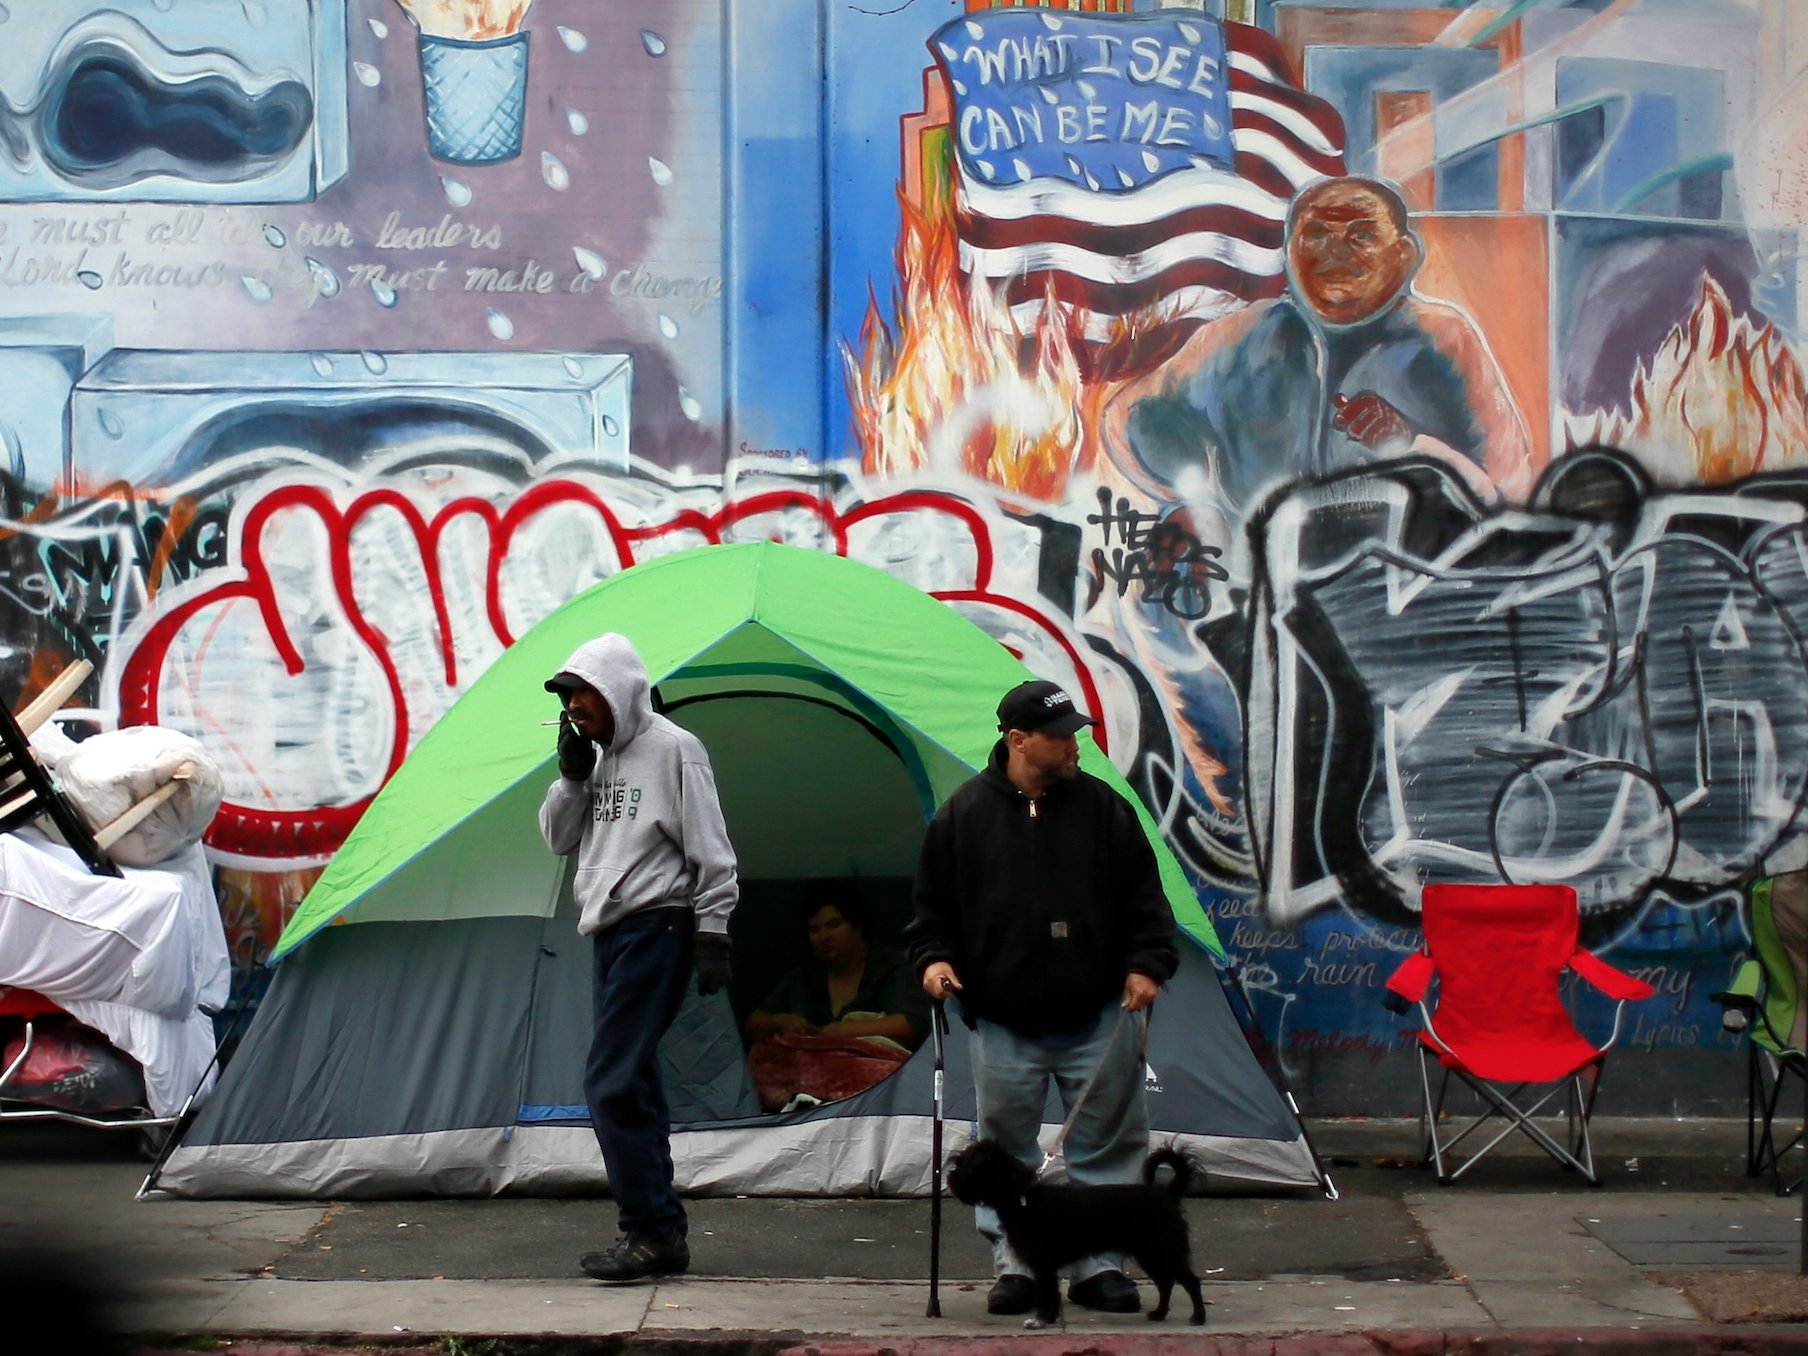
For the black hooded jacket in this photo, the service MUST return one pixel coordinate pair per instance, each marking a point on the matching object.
(1042, 907)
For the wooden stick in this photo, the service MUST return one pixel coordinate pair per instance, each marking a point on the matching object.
(111, 832)
(53, 696)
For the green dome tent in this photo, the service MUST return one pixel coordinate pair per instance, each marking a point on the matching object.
(426, 1027)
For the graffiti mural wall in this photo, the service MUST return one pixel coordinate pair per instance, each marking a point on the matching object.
(1417, 393)
(1390, 416)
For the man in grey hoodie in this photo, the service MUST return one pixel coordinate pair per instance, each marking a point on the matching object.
(655, 885)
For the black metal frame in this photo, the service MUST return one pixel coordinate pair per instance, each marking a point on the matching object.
(1767, 1076)
(30, 791)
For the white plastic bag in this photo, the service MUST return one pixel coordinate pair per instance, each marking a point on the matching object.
(107, 774)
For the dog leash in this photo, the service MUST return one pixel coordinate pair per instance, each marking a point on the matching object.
(1073, 1112)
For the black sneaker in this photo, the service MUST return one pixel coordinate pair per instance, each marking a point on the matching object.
(1011, 1295)
(637, 1256)
(1109, 1292)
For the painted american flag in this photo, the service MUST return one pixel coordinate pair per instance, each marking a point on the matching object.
(1129, 164)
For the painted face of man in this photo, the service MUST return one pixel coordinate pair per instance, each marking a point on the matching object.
(1347, 255)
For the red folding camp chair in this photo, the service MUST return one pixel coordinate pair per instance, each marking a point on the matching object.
(1498, 953)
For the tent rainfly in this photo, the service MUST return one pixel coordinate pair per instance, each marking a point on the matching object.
(425, 1030)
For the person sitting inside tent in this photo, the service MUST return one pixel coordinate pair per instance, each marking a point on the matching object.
(843, 1019)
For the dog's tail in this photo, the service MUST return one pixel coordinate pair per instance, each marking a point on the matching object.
(1177, 1163)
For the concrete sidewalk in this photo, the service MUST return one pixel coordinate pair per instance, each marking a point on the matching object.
(1679, 1250)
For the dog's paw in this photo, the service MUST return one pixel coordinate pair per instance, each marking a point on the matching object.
(1157, 1315)
(1197, 1320)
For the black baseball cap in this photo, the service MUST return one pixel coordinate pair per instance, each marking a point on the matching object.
(1041, 706)
(565, 681)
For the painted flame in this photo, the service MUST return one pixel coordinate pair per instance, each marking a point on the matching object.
(1727, 392)
(467, 20)
(958, 388)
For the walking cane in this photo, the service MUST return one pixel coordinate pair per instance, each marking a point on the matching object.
(939, 1025)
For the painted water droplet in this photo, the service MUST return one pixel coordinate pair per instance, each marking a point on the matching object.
(163, 6)
(593, 264)
(687, 402)
(90, 279)
(667, 326)
(255, 13)
(457, 193)
(5, 14)
(326, 282)
(573, 366)
(500, 325)
(374, 363)
(577, 122)
(662, 172)
(610, 427)
(573, 40)
(654, 44)
(322, 365)
(274, 237)
(109, 424)
(383, 292)
(257, 287)
(553, 170)
(368, 75)
(380, 28)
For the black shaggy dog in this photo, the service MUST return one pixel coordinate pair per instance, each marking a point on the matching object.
(1050, 1226)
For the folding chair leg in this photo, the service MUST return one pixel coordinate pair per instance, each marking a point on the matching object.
(1576, 1151)
(1771, 1075)
(1581, 1111)
(1429, 1148)
(1754, 1098)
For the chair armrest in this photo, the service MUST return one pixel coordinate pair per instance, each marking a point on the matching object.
(1410, 981)
(1743, 1000)
(1610, 980)
(1742, 993)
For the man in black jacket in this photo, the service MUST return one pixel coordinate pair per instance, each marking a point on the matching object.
(1039, 901)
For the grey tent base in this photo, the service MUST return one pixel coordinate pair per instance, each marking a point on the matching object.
(843, 1156)
(466, 1081)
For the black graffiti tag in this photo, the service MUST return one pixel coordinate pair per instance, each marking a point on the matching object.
(1173, 566)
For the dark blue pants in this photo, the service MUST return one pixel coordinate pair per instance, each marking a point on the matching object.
(642, 970)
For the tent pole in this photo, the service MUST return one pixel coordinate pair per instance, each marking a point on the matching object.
(1234, 971)
(182, 1116)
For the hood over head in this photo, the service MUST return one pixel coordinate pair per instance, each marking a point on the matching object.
(612, 666)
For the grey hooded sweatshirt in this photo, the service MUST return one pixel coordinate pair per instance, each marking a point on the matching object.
(647, 823)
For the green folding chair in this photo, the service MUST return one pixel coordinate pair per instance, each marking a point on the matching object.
(1766, 1002)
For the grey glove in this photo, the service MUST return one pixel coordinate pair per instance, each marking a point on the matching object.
(713, 969)
(577, 755)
